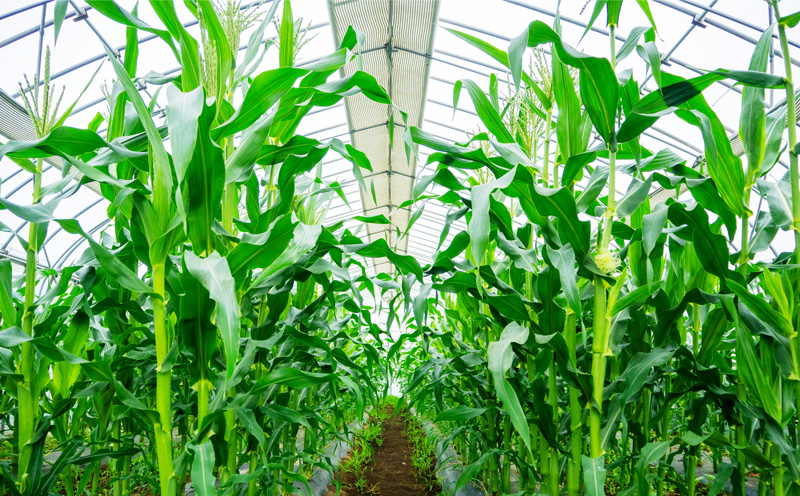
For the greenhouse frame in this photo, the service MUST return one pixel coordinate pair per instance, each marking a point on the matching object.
(399, 247)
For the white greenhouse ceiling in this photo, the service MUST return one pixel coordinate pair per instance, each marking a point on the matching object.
(397, 49)
(410, 50)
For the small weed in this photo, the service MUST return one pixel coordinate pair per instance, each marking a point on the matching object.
(423, 452)
(365, 441)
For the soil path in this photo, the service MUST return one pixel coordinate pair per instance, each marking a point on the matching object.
(391, 473)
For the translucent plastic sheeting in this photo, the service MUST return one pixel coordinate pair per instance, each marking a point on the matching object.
(693, 36)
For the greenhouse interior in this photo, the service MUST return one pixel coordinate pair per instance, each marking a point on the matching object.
(399, 247)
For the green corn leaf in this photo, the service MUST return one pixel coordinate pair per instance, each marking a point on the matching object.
(510, 306)
(711, 248)
(183, 111)
(487, 113)
(756, 79)
(523, 258)
(637, 192)
(720, 479)
(500, 357)
(191, 65)
(569, 111)
(239, 165)
(456, 94)
(202, 185)
(512, 153)
(775, 125)
(110, 263)
(265, 90)
(203, 469)
(635, 297)
(705, 192)
(260, 251)
(162, 173)
(600, 94)
(674, 94)
(597, 181)
(764, 232)
(116, 13)
(790, 20)
(650, 454)
(752, 130)
(283, 414)
(650, 54)
(214, 274)
(563, 259)
(61, 141)
(459, 413)
(630, 42)
(286, 44)
(293, 378)
(778, 198)
(197, 330)
(7, 310)
(661, 102)
(65, 374)
(479, 224)
(753, 374)
(765, 313)
(373, 219)
(652, 226)
(639, 369)
(420, 305)
(502, 57)
(645, 6)
(598, 8)
(254, 45)
(304, 239)
(59, 12)
(250, 424)
(561, 204)
(724, 167)
(594, 475)
(222, 47)
(573, 169)
(471, 471)
(598, 83)
(13, 336)
(379, 248)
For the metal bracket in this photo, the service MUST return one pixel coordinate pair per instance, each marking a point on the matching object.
(698, 20)
(80, 12)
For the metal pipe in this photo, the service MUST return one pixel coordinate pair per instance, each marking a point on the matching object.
(60, 261)
(735, 19)
(721, 26)
(617, 36)
(41, 46)
(96, 32)
(81, 212)
(476, 29)
(121, 48)
(678, 43)
(30, 31)
(22, 9)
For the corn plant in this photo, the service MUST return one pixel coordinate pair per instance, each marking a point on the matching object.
(573, 332)
(595, 323)
(219, 317)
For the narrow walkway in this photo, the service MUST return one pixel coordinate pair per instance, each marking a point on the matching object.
(391, 473)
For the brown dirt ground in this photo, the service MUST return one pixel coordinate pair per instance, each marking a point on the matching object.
(390, 473)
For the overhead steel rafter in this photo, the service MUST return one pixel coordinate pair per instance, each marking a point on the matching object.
(397, 50)
(393, 43)
(698, 19)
